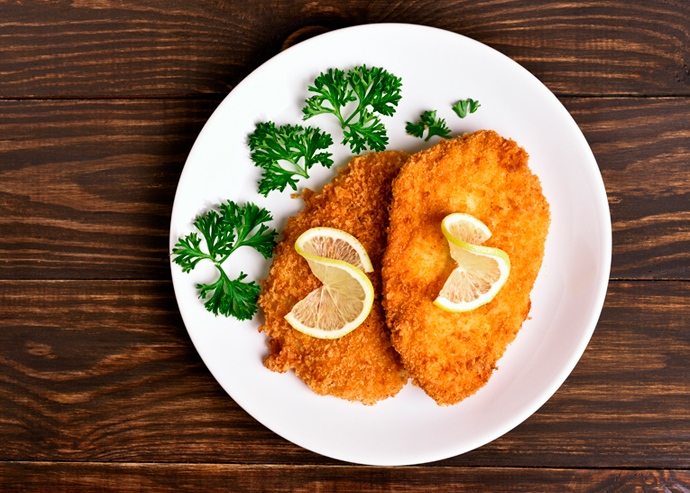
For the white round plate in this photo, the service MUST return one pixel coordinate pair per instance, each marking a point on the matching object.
(437, 69)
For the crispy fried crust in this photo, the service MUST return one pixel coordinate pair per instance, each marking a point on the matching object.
(361, 366)
(452, 355)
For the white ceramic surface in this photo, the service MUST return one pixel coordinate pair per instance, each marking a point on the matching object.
(437, 69)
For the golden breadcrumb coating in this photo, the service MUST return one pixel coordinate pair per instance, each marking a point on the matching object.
(452, 355)
(362, 365)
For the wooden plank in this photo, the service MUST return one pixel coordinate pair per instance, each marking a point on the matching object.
(97, 48)
(86, 187)
(104, 371)
(641, 146)
(125, 478)
(92, 48)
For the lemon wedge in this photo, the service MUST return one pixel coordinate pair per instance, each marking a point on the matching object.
(481, 271)
(346, 297)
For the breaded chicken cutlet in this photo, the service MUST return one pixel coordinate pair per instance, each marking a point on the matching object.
(452, 355)
(362, 365)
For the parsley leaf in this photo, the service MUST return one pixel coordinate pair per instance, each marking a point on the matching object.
(293, 145)
(464, 106)
(428, 122)
(231, 297)
(376, 91)
(225, 231)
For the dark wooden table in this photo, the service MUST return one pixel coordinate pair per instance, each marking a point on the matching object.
(101, 388)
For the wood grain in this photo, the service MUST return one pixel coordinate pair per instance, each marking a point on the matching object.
(101, 48)
(133, 478)
(87, 194)
(104, 371)
(642, 148)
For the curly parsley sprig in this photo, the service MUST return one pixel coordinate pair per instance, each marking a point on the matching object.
(376, 91)
(224, 232)
(429, 123)
(287, 153)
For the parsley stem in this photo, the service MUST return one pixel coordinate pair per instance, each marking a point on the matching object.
(225, 257)
(241, 236)
(359, 108)
(299, 169)
(336, 112)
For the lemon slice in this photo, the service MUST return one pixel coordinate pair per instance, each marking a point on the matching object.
(346, 297)
(481, 271)
(334, 244)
